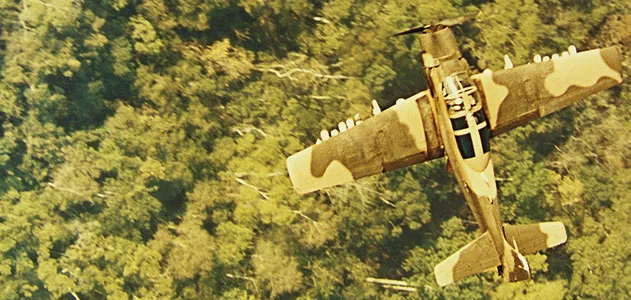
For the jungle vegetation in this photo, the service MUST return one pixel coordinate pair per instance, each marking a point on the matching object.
(143, 143)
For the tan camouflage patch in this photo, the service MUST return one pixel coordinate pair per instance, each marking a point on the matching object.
(334, 173)
(494, 94)
(581, 73)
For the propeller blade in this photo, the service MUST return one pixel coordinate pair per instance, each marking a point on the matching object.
(457, 20)
(444, 23)
(413, 30)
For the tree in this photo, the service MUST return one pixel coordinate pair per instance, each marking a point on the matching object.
(277, 270)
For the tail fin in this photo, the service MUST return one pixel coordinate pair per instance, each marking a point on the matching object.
(531, 238)
(514, 264)
(476, 257)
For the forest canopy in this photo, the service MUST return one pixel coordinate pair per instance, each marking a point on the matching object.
(143, 147)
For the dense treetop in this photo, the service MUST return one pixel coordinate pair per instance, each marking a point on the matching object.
(143, 146)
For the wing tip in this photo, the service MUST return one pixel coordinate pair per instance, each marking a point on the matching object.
(555, 231)
(442, 276)
(295, 167)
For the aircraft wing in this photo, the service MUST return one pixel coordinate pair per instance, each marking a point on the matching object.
(402, 135)
(518, 95)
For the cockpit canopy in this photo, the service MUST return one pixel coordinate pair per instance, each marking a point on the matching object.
(465, 132)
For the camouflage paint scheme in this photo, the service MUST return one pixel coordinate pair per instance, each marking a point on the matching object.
(452, 118)
(400, 136)
(516, 96)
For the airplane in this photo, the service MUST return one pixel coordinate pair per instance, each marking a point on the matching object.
(456, 117)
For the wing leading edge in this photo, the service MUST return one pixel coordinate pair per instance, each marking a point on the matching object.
(518, 95)
(402, 135)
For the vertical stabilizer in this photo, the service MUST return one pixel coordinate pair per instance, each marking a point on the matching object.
(514, 264)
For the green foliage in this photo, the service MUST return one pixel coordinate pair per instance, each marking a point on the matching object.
(115, 267)
(528, 290)
(146, 39)
(143, 147)
(275, 269)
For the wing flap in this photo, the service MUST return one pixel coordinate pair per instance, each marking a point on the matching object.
(518, 95)
(402, 135)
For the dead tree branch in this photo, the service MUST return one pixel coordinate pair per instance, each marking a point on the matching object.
(256, 189)
(283, 73)
(256, 287)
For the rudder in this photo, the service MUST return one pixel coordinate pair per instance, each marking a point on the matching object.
(514, 264)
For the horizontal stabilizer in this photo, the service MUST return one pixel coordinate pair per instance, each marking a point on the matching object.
(531, 238)
(476, 257)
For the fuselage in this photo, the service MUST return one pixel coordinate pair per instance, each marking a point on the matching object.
(463, 127)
